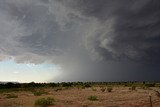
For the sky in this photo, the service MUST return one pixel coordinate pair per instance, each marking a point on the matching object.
(79, 40)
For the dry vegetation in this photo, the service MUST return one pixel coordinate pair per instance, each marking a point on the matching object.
(99, 95)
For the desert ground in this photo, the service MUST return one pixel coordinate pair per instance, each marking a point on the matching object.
(78, 97)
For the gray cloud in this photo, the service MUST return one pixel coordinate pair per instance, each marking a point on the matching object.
(110, 40)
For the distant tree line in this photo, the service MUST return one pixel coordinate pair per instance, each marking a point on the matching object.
(11, 85)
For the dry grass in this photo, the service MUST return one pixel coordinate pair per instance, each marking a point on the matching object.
(73, 97)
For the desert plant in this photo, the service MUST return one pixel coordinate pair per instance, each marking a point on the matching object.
(83, 87)
(133, 88)
(38, 93)
(58, 89)
(11, 96)
(109, 89)
(92, 98)
(44, 102)
(87, 85)
(94, 89)
(103, 89)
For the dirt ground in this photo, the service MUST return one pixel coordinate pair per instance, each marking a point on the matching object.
(74, 97)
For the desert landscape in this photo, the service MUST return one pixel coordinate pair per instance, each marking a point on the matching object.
(79, 53)
(85, 95)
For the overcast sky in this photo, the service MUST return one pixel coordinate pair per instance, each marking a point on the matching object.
(79, 40)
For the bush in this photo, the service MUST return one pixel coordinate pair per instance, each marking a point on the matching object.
(38, 93)
(58, 89)
(11, 96)
(109, 89)
(94, 89)
(133, 87)
(103, 89)
(87, 85)
(92, 98)
(83, 87)
(64, 84)
(44, 102)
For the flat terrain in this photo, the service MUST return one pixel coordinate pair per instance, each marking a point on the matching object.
(74, 97)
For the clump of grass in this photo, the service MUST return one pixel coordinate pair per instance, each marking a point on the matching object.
(94, 89)
(11, 96)
(103, 89)
(92, 98)
(44, 102)
(109, 89)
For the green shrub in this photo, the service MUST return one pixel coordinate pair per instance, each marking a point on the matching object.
(103, 89)
(109, 89)
(44, 102)
(92, 98)
(11, 96)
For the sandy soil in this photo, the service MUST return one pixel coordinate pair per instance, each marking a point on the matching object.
(119, 97)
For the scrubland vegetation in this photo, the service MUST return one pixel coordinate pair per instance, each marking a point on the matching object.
(80, 94)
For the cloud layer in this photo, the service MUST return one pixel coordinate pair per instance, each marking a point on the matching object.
(86, 37)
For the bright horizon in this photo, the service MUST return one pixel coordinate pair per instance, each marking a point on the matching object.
(27, 72)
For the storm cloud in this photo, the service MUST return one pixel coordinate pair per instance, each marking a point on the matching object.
(104, 40)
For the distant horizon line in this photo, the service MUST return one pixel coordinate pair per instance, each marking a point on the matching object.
(77, 81)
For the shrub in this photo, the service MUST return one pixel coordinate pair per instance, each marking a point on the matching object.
(44, 102)
(64, 84)
(87, 85)
(11, 96)
(83, 87)
(103, 89)
(92, 98)
(109, 89)
(58, 89)
(150, 85)
(38, 93)
(146, 88)
(94, 89)
(133, 87)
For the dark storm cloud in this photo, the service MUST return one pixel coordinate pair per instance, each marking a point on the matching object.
(86, 37)
(128, 28)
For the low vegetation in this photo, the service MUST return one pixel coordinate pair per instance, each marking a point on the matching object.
(74, 93)
(109, 89)
(133, 88)
(38, 93)
(28, 86)
(92, 98)
(44, 102)
(94, 89)
(11, 96)
(103, 89)
(58, 89)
